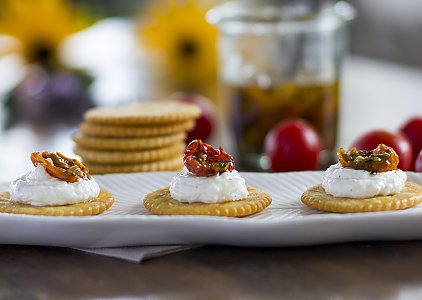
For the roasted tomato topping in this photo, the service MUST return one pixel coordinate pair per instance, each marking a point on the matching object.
(202, 159)
(380, 159)
(60, 166)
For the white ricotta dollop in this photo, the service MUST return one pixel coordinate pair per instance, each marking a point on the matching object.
(186, 187)
(40, 189)
(347, 182)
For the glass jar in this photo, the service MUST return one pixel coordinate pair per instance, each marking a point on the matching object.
(279, 60)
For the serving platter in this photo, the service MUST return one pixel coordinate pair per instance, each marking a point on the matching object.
(286, 222)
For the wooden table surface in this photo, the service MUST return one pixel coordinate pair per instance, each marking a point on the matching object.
(382, 270)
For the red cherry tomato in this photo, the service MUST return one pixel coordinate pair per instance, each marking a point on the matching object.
(418, 162)
(204, 125)
(397, 141)
(292, 145)
(413, 130)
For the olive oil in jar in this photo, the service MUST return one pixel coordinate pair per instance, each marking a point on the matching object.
(254, 111)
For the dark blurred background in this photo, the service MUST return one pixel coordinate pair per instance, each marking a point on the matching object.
(388, 30)
(383, 29)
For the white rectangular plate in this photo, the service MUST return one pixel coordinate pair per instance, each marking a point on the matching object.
(286, 222)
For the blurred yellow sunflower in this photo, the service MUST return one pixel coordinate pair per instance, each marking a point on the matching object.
(186, 43)
(40, 25)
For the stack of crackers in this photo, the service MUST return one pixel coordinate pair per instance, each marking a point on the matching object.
(142, 137)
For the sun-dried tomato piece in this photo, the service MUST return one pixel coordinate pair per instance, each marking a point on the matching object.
(60, 166)
(380, 159)
(202, 159)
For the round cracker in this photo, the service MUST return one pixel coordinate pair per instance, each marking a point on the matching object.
(93, 207)
(121, 157)
(142, 113)
(160, 202)
(135, 143)
(135, 131)
(170, 164)
(317, 198)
